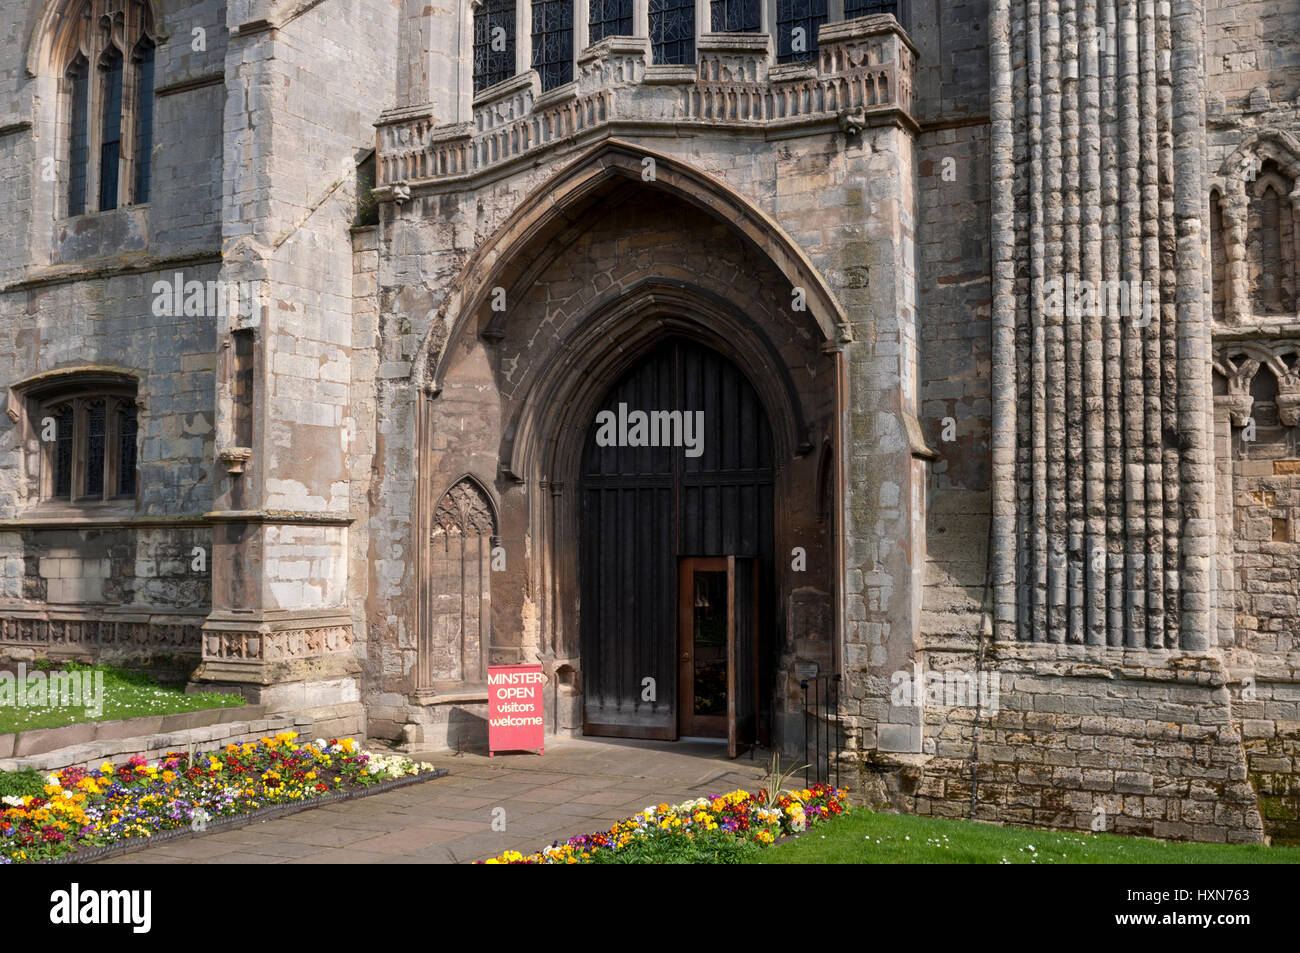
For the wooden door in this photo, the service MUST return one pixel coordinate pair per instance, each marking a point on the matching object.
(704, 636)
(644, 508)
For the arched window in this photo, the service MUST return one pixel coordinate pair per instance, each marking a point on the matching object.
(494, 42)
(1218, 263)
(459, 590)
(78, 81)
(143, 114)
(1270, 243)
(108, 48)
(609, 18)
(553, 42)
(110, 136)
(84, 427)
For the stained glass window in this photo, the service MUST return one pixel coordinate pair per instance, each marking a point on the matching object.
(126, 431)
(494, 43)
(553, 42)
(736, 16)
(110, 140)
(143, 145)
(797, 22)
(672, 31)
(78, 114)
(609, 18)
(862, 8)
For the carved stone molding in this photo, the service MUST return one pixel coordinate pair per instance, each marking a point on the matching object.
(258, 645)
(1238, 363)
(92, 634)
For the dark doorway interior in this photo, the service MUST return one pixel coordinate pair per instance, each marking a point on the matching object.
(644, 508)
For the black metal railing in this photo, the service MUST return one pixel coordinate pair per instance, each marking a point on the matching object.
(822, 733)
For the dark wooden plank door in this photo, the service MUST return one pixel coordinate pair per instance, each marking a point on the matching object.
(642, 508)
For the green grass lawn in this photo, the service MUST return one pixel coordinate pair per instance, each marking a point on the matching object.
(126, 695)
(865, 837)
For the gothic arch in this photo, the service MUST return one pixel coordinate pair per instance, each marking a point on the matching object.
(455, 634)
(1238, 363)
(554, 204)
(542, 439)
(1238, 186)
(53, 41)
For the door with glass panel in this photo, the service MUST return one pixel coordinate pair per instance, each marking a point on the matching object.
(717, 641)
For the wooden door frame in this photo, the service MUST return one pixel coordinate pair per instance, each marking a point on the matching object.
(687, 566)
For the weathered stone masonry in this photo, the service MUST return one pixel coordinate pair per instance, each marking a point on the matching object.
(1099, 507)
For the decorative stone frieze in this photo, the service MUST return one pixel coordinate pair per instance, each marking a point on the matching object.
(863, 72)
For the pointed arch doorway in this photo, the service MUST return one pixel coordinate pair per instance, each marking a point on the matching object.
(676, 554)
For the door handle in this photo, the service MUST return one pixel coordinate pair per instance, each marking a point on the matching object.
(686, 657)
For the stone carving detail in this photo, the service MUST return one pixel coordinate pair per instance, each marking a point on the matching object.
(1288, 398)
(464, 511)
(1269, 160)
(862, 66)
(1239, 374)
(1239, 362)
(277, 646)
(92, 634)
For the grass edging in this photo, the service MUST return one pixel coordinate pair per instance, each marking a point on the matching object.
(216, 825)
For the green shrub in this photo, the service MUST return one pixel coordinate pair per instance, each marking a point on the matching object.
(20, 783)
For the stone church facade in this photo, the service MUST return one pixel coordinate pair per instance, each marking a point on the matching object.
(988, 309)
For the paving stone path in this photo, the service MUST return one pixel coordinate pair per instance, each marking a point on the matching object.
(578, 786)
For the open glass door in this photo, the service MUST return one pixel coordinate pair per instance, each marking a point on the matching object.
(717, 677)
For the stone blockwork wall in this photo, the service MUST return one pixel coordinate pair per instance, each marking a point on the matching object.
(1093, 740)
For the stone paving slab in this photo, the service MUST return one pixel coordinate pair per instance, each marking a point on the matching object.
(578, 786)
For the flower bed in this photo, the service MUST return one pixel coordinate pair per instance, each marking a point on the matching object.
(719, 829)
(81, 809)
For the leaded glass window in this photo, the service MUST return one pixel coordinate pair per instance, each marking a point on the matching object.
(110, 136)
(609, 18)
(78, 133)
(494, 43)
(91, 454)
(553, 42)
(126, 433)
(862, 8)
(143, 146)
(797, 22)
(672, 31)
(96, 426)
(63, 435)
(736, 16)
